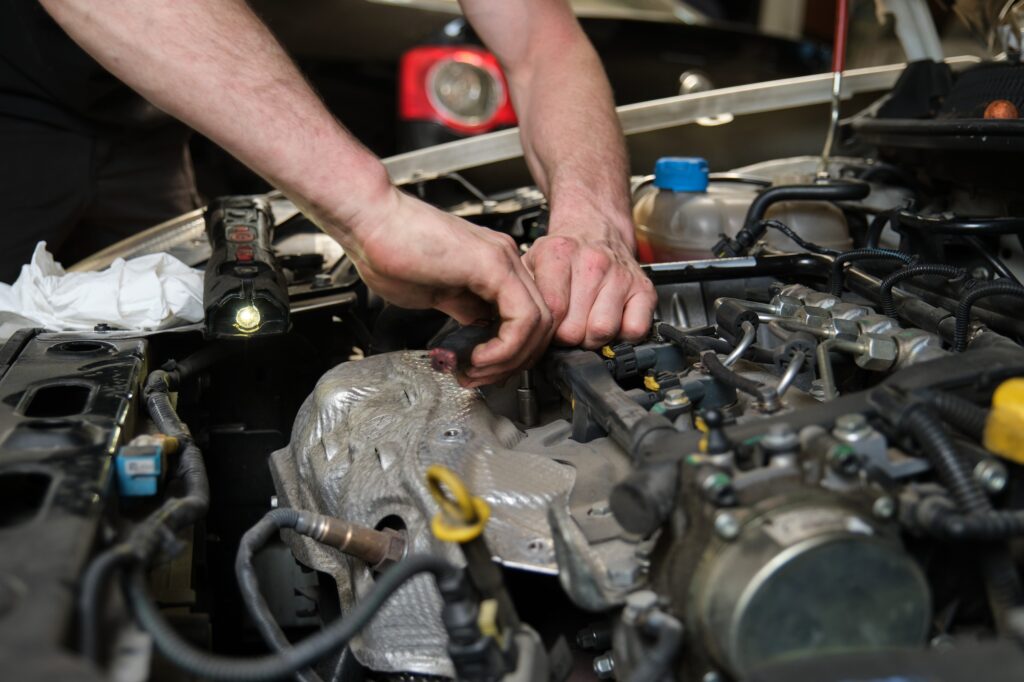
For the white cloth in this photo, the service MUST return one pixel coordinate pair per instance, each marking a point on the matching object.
(149, 292)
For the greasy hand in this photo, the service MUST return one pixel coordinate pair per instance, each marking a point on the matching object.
(416, 256)
(591, 282)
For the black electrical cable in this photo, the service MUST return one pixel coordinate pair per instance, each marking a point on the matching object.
(281, 664)
(753, 227)
(998, 266)
(961, 413)
(885, 289)
(146, 538)
(695, 344)
(254, 540)
(730, 378)
(924, 425)
(656, 665)
(967, 301)
(91, 593)
(977, 519)
(797, 239)
(836, 276)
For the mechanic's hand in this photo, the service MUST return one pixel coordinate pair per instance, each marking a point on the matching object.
(417, 256)
(591, 282)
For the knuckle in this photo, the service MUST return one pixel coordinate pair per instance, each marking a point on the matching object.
(603, 330)
(571, 334)
(596, 261)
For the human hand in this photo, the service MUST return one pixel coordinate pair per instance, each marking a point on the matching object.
(417, 256)
(590, 280)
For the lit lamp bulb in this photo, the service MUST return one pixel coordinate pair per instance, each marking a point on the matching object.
(247, 319)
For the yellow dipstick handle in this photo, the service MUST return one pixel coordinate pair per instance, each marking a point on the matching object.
(463, 516)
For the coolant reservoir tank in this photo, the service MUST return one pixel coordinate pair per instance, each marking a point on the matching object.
(682, 214)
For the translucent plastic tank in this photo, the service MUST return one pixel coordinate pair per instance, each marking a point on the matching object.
(681, 215)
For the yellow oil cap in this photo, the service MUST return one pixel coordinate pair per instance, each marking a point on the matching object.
(1004, 430)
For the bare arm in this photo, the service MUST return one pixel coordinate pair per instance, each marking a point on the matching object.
(216, 67)
(575, 150)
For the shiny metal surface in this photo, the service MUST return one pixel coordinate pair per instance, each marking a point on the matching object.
(360, 447)
(803, 579)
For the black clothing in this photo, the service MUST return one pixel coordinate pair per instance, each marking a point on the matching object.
(46, 77)
(84, 160)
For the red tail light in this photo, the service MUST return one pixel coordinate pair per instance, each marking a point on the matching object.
(461, 87)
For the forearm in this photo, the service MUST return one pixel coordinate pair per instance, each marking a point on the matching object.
(216, 67)
(571, 135)
(568, 126)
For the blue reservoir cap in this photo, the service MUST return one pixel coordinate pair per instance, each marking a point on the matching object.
(681, 173)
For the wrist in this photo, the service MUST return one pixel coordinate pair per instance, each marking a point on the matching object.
(593, 223)
(346, 194)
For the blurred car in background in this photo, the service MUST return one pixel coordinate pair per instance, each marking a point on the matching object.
(403, 74)
(451, 87)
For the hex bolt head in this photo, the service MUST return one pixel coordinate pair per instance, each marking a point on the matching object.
(781, 438)
(851, 423)
(604, 666)
(727, 526)
(675, 397)
(884, 507)
(711, 676)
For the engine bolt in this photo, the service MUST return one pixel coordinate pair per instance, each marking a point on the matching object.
(727, 526)
(273, 502)
(717, 488)
(991, 475)
(711, 676)
(850, 427)
(675, 397)
(884, 507)
(604, 666)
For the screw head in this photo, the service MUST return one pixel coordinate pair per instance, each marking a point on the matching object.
(884, 507)
(727, 526)
(992, 476)
(604, 666)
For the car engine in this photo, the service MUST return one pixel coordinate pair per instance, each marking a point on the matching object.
(810, 470)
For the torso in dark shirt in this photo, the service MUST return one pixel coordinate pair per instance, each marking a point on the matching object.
(46, 77)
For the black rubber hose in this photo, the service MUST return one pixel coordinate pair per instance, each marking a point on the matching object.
(835, 191)
(947, 224)
(950, 272)
(961, 413)
(200, 361)
(932, 438)
(284, 663)
(967, 301)
(254, 540)
(656, 665)
(836, 276)
(730, 378)
(877, 226)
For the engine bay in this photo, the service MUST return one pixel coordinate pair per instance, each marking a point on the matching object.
(810, 470)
